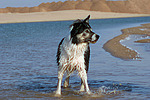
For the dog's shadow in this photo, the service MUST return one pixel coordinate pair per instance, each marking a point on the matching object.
(49, 85)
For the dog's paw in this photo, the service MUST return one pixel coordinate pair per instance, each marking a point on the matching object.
(66, 84)
(89, 93)
(82, 88)
(57, 94)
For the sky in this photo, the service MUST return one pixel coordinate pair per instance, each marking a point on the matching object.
(23, 3)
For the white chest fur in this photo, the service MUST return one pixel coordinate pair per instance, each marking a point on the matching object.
(72, 56)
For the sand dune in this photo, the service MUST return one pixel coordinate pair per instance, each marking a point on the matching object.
(128, 6)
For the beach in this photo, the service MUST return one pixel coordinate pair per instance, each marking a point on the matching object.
(61, 16)
(115, 47)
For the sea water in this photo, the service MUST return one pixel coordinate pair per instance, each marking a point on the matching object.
(28, 68)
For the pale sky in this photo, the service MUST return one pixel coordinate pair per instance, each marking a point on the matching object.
(23, 3)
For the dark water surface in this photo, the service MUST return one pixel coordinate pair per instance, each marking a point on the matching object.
(28, 68)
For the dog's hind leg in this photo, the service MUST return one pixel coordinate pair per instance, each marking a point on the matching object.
(66, 83)
(82, 87)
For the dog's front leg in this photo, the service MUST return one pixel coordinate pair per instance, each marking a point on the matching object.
(60, 76)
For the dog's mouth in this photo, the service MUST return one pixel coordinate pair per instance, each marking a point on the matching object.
(94, 38)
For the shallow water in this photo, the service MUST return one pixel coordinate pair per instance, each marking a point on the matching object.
(28, 67)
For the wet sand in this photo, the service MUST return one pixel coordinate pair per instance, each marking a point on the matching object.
(118, 50)
(61, 16)
(143, 41)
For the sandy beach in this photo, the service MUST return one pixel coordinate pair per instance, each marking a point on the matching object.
(61, 16)
(115, 47)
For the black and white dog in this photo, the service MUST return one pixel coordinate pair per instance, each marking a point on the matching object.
(74, 53)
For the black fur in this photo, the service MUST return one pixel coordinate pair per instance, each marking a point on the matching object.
(58, 51)
(78, 27)
(87, 58)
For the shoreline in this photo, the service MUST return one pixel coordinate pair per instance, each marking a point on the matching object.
(63, 15)
(112, 46)
(115, 48)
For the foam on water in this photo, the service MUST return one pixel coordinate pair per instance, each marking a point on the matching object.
(128, 41)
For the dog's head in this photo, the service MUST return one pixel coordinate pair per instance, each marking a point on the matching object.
(81, 32)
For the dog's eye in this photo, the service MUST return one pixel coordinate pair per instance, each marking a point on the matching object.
(87, 31)
(84, 34)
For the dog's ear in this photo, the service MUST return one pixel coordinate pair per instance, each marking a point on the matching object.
(87, 19)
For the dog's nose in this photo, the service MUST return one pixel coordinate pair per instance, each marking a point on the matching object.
(97, 36)
(94, 39)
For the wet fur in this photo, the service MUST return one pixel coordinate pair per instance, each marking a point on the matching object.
(74, 52)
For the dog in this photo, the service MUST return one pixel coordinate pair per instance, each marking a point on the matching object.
(74, 52)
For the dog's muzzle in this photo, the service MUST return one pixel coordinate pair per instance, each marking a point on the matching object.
(94, 38)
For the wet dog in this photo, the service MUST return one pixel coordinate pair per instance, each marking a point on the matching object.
(74, 52)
